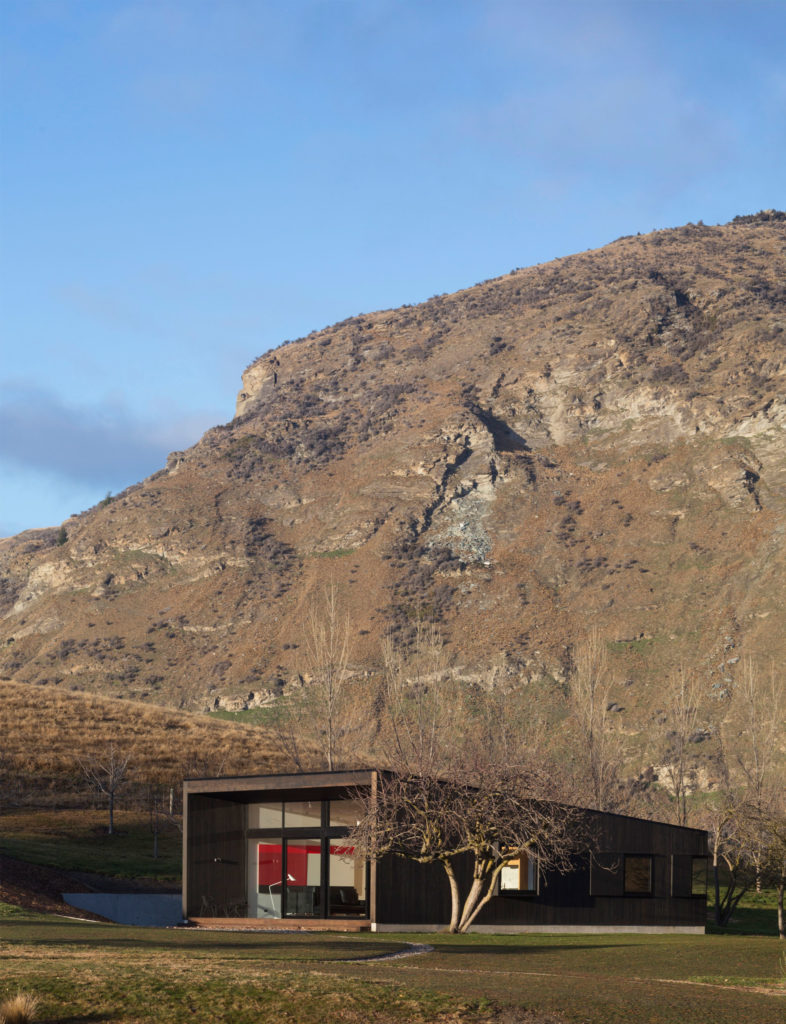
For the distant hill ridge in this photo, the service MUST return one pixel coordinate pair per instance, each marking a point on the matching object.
(596, 441)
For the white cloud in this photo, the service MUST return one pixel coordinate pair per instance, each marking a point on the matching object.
(101, 444)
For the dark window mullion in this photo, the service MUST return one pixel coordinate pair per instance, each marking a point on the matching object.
(288, 833)
(337, 832)
(284, 871)
(324, 880)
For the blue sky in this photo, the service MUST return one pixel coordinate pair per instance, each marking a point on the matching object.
(184, 184)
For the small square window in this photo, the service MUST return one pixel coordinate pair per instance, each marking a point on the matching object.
(518, 875)
(638, 876)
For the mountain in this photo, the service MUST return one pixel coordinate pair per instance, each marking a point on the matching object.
(594, 442)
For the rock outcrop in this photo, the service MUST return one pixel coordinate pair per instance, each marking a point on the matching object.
(598, 441)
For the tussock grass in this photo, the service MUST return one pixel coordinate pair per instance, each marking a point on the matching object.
(19, 1009)
(46, 731)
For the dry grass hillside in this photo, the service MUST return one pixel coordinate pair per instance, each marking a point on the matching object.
(598, 441)
(47, 733)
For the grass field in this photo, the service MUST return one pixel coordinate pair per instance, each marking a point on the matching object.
(78, 841)
(95, 972)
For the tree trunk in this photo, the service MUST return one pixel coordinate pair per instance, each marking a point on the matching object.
(489, 882)
(471, 904)
(716, 882)
(111, 813)
(781, 928)
(455, 904)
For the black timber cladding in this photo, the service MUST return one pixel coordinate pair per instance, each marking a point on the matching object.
(216, 857)
(411, 893)
(405, 892)
(216, 831)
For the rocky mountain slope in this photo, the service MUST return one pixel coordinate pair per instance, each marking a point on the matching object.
(598, 441)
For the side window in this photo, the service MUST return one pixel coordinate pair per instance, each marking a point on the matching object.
(606, 874)
(638, 875)
(519, 875)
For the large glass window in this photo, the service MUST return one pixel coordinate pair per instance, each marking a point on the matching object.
(347, 881)
(698, 876)
(345, 813)
(310, 871)
(638, 876)
(303, 814)
(270, 863)
(265, 815)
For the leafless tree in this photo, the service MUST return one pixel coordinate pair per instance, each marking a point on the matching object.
(762, 706)
(747, 820)
(420, 720)
(680, 724)
(589, 691)
(466, 777)
(323, 724)
(107, 774)
(773, 829)
(493, 816)
(727, 822)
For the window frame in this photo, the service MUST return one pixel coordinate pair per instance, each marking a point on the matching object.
(641, 893)
(532, 866)
(322, 833)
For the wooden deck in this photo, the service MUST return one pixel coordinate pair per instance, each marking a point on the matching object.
(299, 924)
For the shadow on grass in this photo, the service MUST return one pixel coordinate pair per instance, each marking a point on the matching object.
(525, 950)
(83, 1018)
(303, 948)
(747, 921)
(269, 946)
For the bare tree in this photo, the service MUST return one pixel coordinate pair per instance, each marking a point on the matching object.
(421, 718)
(589, 690)
(494, 816)
(728, 832)
(746, 821)
(762, 705)
(107, 774)
(467, 778)
(774, 830)
(680, 724)
(322, 724)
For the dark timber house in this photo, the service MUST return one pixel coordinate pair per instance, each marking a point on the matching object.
(270, 851)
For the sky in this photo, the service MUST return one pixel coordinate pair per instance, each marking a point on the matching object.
(185, 184)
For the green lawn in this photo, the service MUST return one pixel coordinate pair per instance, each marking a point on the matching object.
(84, 972)
(95, 972)
(78, 841)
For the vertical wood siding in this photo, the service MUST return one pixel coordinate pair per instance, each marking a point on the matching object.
(216, 852)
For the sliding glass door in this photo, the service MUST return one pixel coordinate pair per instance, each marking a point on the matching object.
(347, 881)
(303, 880)
(267, 864)
(287, 877)
(297, 875)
